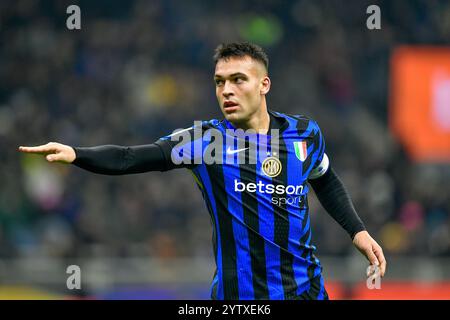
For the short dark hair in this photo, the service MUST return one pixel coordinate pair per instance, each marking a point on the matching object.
(241, 49)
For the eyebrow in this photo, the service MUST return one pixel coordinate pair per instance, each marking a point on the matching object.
(218, 76)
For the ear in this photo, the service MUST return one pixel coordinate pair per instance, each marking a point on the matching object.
(265, 85)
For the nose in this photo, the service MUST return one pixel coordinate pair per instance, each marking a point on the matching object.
(227, 89)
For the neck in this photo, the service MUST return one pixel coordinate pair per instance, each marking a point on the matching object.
(259, 121)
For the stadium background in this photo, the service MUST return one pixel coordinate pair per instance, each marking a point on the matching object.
(137, 70)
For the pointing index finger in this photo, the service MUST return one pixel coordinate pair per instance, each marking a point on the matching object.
(37, 149)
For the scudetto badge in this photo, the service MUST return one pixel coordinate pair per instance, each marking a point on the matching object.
(271, 167)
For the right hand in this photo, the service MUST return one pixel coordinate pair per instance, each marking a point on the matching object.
(53, 152)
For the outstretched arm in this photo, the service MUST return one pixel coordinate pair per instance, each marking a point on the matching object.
(337, 202)
(107, 159)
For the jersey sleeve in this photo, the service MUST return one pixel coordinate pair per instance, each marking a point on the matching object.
(322, 162)
(119, 160)
(183, 148)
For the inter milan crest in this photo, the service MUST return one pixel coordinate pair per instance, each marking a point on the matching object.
(271, 167)
(301, 150)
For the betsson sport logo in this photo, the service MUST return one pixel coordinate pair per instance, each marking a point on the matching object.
(290, 194)
(271, 167)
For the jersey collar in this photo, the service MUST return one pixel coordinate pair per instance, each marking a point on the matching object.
(277, 121)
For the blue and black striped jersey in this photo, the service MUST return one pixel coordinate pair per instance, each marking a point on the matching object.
(259, 209)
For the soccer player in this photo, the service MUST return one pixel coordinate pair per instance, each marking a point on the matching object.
(259, 209)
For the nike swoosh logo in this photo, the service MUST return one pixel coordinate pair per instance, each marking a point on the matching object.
(229, 151)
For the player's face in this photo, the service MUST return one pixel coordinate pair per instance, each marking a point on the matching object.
(241, 84)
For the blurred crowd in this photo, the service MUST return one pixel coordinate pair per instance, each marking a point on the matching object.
(137, 70)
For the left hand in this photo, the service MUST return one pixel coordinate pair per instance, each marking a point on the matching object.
(371, 250)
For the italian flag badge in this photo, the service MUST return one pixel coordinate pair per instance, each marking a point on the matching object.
(301, 151)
